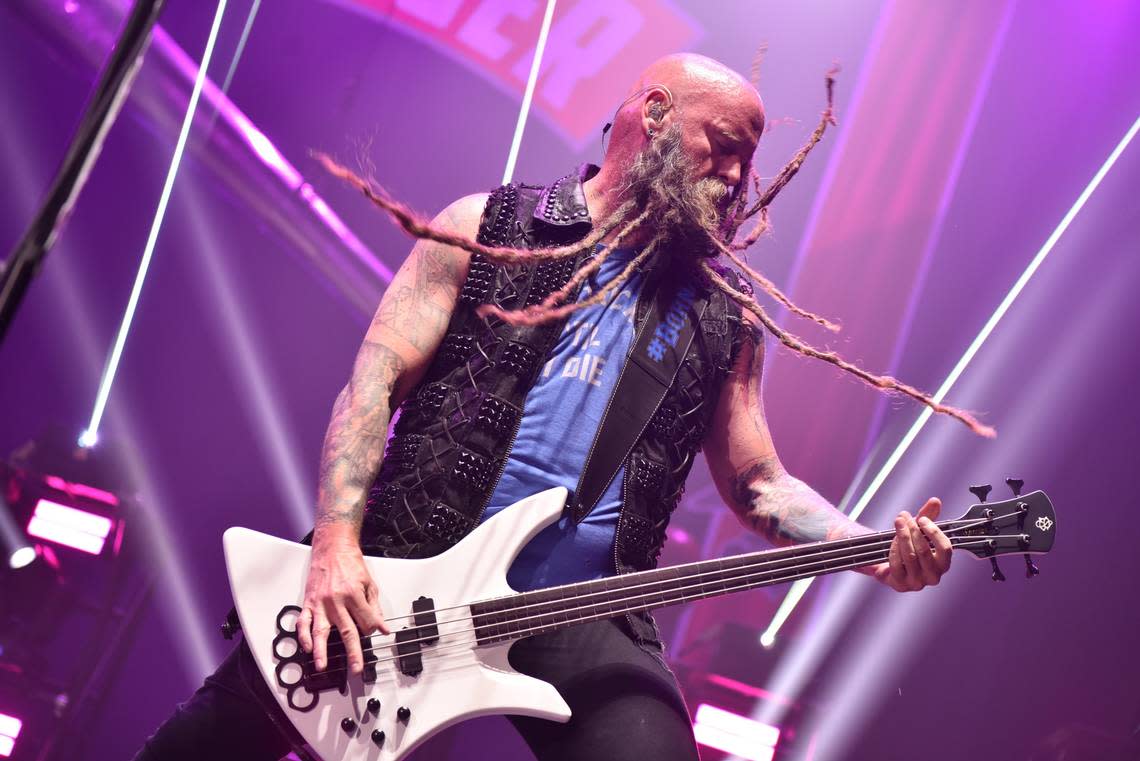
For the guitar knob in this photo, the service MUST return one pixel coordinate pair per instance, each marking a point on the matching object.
(374, 706)
(1031, 568)
(348, 725)
(981, 491)
(378, 738)
(403, 713)
(1015, 485)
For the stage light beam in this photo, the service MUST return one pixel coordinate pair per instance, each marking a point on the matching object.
(90, 434)
(15, 543)
(528, 94)
(800, 587)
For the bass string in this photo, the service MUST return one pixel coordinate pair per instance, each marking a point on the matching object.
(796, 572)
(656, 590)
(950, 527)
(454, 648)
(814, 559)
(951, 524)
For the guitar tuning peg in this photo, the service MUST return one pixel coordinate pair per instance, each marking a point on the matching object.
(997, 575)
(1015, 485)
(981, 491)
(1031, 568)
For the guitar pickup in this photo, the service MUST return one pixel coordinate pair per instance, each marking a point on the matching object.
(423, 609)
(335, 675)
(423, 631)
(408, 657)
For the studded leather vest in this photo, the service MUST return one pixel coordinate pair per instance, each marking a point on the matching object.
(456, 429)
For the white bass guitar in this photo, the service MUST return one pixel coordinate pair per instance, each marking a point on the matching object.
(454, 618)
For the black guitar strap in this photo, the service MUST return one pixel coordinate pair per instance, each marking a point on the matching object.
(663, 338)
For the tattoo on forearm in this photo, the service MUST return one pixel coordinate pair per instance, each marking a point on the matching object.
(355, 439)
(784, 509)
(414, 311)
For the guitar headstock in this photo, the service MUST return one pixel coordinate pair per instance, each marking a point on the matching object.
(1023, 524)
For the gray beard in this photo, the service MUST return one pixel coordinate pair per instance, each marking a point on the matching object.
(682, 212)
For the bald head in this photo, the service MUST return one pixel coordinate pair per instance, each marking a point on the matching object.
(718, 112)
(692, 76)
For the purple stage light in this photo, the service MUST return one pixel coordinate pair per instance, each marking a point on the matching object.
(732, 733)
(78, 529)
(9, 731)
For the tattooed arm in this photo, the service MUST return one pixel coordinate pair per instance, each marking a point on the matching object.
(748, 474)
(776, 505)
(398, 347)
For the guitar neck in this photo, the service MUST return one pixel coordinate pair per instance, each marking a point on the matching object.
(546, 610)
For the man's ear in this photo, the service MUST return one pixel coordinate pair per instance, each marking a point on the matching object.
(657, 105)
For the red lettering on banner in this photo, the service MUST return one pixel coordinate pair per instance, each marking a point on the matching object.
(595, 50)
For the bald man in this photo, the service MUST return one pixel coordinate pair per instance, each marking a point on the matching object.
(494, 410)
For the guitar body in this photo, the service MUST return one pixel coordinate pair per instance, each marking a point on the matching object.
(457, 682)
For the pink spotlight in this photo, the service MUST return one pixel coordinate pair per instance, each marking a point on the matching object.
(9, 731)
(82, 490)
(73, 528)
(732, 733)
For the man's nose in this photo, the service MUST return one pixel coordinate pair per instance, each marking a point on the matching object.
(730, 173)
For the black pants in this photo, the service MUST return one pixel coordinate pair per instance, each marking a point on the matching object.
(625, 701)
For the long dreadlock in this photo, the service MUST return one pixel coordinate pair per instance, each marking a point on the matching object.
(659, 209)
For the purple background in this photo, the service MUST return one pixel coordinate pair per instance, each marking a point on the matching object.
(241, 343)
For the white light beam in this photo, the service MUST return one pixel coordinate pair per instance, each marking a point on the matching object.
(528, 95)
(800, 587)
(90, 435)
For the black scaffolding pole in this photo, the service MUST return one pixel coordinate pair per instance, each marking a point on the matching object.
(111, 90)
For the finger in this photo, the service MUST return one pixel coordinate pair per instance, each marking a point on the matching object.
(908, 551)
(321, 628)
(928, 568)
(931, 509)
(898, 570)
(351, 639)
(372, 594)
(304, 629)
(363, 611)
(941, 542)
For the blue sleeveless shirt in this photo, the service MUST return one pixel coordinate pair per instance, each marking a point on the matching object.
(561, 415)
